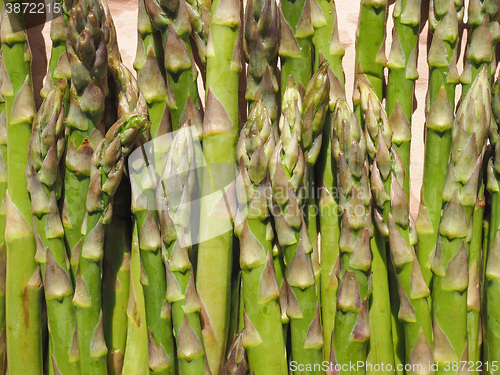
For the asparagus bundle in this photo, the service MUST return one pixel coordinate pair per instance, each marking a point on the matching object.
(352, 331)
(450, 264)
(45, 181)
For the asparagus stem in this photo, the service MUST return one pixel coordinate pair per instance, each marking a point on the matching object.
(450, 264)
(402, 65)
(174, 195)
(45, 181)
(288, 171)
(220, 132)
(136, 353)
(444, 20)
(23, 279)
(262, 334)
(352, 330)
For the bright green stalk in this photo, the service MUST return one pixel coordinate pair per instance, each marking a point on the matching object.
(84, 126)
(370, 37)
(263, 332)
(483, 34)
(450, 264)
(288, 171)
(393, 219)
(173, 20)
(23, 279)
(174, 194)
(261, 42)
(151, 75)
(381, 346)
(402, 65)
(490, 282)
(136, 353)
(352, 330)
(220, 132)
(445, 17)
(327, 46)
(44, 155)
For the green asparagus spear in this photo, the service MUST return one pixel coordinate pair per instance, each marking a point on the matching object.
(445, 17)
(45, 181)
(352, 330)
(450, 264)
(262, 334)
(23, 279)
(174, 195)
(288, 171)
(220, 132)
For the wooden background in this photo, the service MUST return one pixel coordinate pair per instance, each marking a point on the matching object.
(124, 14)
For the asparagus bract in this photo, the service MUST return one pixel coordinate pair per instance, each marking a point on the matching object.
(288, 172)
(23, 279)
(263, 332)
(220, 132)
(352, 330)
(450, 264)
(45, 183)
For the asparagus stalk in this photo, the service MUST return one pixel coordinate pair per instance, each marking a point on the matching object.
(450, 264)
(45, 181)
(263, 333)
(402, 65)
(87, 52)
(352, 330)
(220, 132)
(261, 45)
(174, 195)
(491, 351)
(444, 20)
(370, 44)
(173, 20)
(151, 74)
(288, 172)
(392, 217)
(23, 279)
(136, 353)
